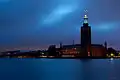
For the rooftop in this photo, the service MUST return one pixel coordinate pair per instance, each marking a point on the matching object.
(78, 45)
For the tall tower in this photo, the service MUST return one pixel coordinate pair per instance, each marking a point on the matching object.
(60, 45)
(106, 49)
(105, 44)
(85, 38)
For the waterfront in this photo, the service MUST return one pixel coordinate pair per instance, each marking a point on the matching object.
(59, 69)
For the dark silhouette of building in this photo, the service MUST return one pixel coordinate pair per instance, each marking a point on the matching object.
(60, 45)
(85, 38)
(112, 51)
(52, 50)
(85, 49)
(59, 50)
(105, 44)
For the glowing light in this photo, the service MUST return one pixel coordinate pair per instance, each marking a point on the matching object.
(88, 53)
(19, 56)
(85, 16)
(107, 55)
(85, 19)
(42, 53)
(43, 56)
(111, 54)
(119, 54)
(111, 58)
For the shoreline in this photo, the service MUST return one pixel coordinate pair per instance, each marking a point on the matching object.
(84, 58)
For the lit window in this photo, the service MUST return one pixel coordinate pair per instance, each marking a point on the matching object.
(119, 54)
(88, 53)
(111, 54)
(107, 54)
(42, 53)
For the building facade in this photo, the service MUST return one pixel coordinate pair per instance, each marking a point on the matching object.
(84, 49)
(97, 50)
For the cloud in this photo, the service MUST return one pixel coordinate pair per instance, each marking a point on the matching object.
(106, 26)
(59, 13)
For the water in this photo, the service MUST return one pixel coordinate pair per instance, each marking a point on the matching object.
(59, 69)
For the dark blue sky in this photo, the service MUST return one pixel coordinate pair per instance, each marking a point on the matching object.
(38, 23)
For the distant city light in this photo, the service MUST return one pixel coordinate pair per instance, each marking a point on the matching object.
(111, 54)
(8, 53)
(119, 53)
(42, 53)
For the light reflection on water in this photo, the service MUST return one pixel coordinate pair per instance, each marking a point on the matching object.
(59, 69)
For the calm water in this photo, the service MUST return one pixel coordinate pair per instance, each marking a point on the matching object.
(59, 69)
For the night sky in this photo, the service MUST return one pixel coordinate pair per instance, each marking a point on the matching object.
(36, 24)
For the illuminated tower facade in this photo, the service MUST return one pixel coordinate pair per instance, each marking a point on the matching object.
(85, 38)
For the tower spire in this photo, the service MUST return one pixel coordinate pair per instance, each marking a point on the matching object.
(85, 17)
